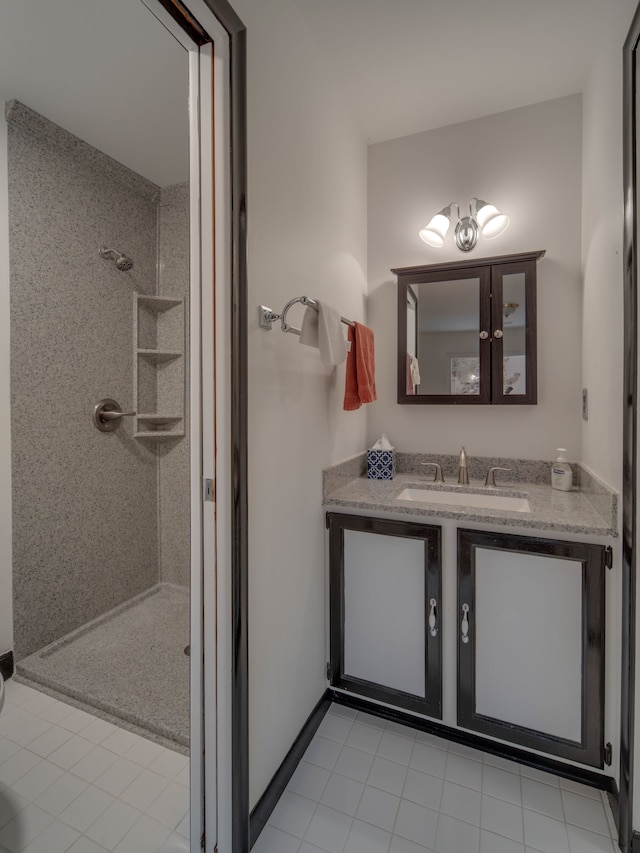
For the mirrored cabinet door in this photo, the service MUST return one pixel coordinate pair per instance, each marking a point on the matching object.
(447, 351)
(514, 372)
(467, 332)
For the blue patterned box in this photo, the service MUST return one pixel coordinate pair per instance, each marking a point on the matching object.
(381, 464)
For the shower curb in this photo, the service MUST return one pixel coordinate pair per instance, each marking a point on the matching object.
(95, 711)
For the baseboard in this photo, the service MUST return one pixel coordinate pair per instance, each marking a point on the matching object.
(7, 667)
(513, 753)
(274, 790)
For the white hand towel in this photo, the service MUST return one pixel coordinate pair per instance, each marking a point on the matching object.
(323, 328)
(333, 347)
(309, 328)
(415, 370)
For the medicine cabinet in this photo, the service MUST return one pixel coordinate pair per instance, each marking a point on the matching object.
(467, 331)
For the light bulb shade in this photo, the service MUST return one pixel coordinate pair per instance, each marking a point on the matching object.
(434, 233)
(491, 222)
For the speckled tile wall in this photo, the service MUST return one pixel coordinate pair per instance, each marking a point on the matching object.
(173, 454)
(85, 514)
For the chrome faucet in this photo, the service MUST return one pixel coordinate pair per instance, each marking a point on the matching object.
(437, 477)
(490, 479)
(463, 474)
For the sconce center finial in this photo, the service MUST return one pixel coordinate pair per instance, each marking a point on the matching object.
(466, 234)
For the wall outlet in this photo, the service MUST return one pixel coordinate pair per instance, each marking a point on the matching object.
(585, 404)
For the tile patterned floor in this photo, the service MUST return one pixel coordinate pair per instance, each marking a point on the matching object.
(73, 783)
(369, 787)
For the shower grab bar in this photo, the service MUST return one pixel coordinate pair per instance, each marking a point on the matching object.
(267, 317)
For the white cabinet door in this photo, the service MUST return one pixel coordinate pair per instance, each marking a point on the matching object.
(385, 611)
(528, 640)
(530, 647)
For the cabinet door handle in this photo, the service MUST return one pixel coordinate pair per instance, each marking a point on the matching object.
(465, 623)
(433, 618)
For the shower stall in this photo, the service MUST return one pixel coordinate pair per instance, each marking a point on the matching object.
(100, 432)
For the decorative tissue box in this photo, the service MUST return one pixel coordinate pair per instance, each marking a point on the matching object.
(381, 464)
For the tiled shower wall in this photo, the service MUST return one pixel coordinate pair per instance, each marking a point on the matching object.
(85, 503)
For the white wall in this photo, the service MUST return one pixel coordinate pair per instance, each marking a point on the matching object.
(602, 233)
(307, 235)
(527, 162)
(6, 617)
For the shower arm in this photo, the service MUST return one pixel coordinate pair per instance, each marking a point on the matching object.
(112, 416)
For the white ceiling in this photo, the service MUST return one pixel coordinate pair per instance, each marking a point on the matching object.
(413, 65)
(111, 74)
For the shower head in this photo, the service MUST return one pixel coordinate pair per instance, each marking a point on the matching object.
(121, 261)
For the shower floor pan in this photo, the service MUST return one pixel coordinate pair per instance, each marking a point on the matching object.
(128, 664)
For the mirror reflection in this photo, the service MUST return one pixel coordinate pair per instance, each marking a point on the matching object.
(95, 729)
(447, 342)
(514, 321)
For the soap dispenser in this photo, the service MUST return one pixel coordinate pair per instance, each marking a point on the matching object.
(561, 473)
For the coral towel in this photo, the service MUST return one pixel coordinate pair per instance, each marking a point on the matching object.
(360, 376)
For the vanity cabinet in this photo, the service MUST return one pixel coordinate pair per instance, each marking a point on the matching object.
(385, 611)
(486, 631)
(531, 642)
(467, 331)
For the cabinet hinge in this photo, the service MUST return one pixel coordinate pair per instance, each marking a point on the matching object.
(328, 671)
(608, 557)
(607, 754)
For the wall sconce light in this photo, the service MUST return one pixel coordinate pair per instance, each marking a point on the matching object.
(484, 219)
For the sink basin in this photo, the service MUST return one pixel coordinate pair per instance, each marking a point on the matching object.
(465, 499)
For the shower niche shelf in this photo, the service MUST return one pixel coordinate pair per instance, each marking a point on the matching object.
(159, 366)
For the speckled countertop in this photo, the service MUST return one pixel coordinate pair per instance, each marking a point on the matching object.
(588, 509)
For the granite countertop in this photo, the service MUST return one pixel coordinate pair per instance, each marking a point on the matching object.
(582, 510)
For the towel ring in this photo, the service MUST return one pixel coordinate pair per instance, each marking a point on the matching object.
(303, 300)
(266, 317)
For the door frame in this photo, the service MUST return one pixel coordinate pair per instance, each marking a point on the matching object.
(630, 448)
(215, 37)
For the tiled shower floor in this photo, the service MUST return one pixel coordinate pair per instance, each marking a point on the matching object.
(129, 664)
(366, 786)
(73, 783)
